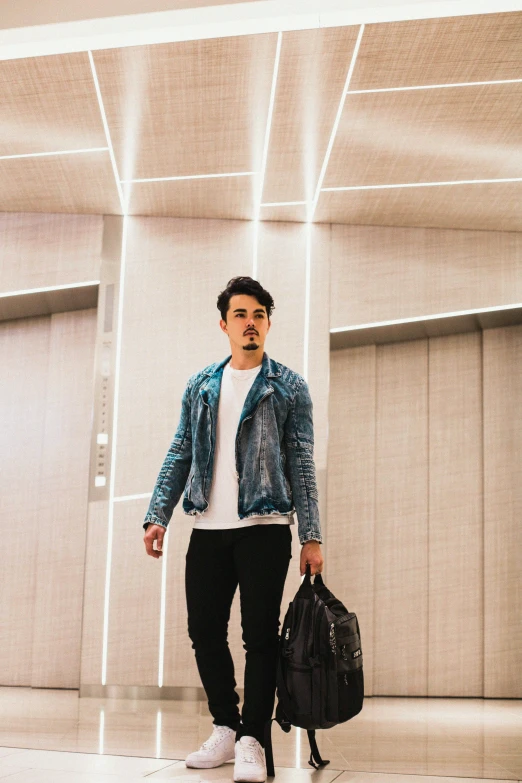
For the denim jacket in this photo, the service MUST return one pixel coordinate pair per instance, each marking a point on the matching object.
(274, 450)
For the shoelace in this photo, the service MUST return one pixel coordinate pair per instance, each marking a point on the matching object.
(251, 752)
(215, 739)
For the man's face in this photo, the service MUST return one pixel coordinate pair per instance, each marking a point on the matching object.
(247, 324)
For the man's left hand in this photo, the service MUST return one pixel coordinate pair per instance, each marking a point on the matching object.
(311, 553)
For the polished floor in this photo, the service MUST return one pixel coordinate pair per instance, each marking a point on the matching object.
(53, 736)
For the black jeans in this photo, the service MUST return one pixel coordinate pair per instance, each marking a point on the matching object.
(257, 558)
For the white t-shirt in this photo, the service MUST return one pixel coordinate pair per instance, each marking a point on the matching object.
(224, 492)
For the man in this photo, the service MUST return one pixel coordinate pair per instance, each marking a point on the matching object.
(243, 453)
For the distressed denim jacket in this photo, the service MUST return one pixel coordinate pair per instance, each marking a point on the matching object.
(274, 450)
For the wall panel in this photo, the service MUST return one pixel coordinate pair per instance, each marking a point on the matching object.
(46, 420)
(349, 546)
(456, 609)
(39, 250)
(24, 350)
(401, 520)
(382, 273)
(503, 512)
(62, 517)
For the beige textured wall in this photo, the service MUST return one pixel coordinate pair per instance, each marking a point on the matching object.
(424, 463)
(384, 273)
(38, 250)
(423, 523)
(45, 419)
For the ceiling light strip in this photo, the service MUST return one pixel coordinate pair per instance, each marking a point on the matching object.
(423, 184)
(268, 125)
(311, 209)
(416, 319)
(49, 288)
(434, 86)
(282, 203)
(56, 152)
(194, 176)
(107, 134)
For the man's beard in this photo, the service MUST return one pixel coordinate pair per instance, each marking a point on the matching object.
(251, 346)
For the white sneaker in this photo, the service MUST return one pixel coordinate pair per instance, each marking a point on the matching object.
(217, 749)
(250, 763)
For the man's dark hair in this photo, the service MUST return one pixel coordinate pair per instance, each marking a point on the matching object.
(244, 285)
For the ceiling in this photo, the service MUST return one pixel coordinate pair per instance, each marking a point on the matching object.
(261, 126)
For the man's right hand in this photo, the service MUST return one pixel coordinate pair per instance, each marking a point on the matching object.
(154, 533)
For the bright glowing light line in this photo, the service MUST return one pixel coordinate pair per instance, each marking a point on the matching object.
(48, 288)
(282, 203)
(101, 731)
(423, 184)
(268, 124)
(113, 452)
(479, 311)
(107, 133)
(298, 748)
(434, 86)
(255, 239)
(311, 210)
(308, 230)
(56, 152)
(194, 176)
(158, 734)
(162, 607)
(122, 498)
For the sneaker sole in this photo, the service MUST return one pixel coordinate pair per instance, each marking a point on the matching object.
(207, 764)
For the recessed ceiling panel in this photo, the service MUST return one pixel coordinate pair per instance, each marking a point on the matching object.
(482, 47)
(218, 197)
(312, 74)
(433, 135)
(48, 104)
(492, 207)
(193, 107)
(82, 182)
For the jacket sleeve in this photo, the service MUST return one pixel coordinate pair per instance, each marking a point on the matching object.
(175, 469)
(299, 449)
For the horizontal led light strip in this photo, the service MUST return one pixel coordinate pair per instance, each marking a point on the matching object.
(422, 184)
(479, 311)
(194, 176)
(55, 152)
(123, 498)
(47, 289)
(282, 203)
(433, 86)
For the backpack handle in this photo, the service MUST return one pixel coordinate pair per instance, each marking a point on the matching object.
(318, 579)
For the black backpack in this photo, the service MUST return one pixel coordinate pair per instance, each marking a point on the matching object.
(319, 666)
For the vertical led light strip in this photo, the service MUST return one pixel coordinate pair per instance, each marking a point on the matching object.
(308, 229)
(312, 206)
(163, 601)
(259, 195)
(113, 450)
(116, 374)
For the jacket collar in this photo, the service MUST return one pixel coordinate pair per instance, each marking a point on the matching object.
(260, 388)
(269, 367)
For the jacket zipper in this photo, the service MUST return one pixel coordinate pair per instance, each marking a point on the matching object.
(210, 450)
(238, 435)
